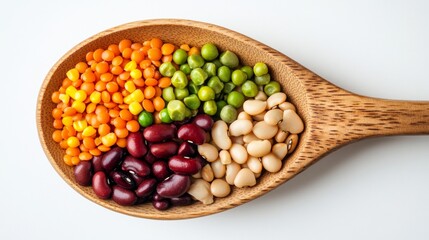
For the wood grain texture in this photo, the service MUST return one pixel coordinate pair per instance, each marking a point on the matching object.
(333, 117)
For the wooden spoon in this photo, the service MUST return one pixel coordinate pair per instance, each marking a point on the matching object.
(333, 117)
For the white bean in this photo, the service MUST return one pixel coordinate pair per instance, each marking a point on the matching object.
(263, 130)
(260, 117)
(225, 157)
(276, 99)
(291, 122)
(271, 163)
(261, 96)
(254, 164)
(254, 107)
(218, 168)
(245, 178)
(220, 188)
(240, 127)
(197, 175)
(200, 190)
(244, 116)
(280, 136)
(249, 137)
(220, 135)
(287, 105)
(208, 151)
(207, 173)
(238, 153)
(231, 172)
(238, 140)
(259, 148)
(280, 150)
(273, 116)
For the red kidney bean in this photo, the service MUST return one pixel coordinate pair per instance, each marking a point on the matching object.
(186, 149)
(123, 179)
(96, 163)
(123, 196)
(202, 160)
(135, 145)
(203, 121)
(83, 173)
(164, 150)
(137, 179)
(185, 166)
(146, 187)
(111, 159)
(174, 186)
(193, 133)
(160, 170)
(157, 197)
(159, 132)
(161, 205)
(150, 158)
(137, 166)
(100, 186)
(183, 200)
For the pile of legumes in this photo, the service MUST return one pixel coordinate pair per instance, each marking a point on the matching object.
(155, 122)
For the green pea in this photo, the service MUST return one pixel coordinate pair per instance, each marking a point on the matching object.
(192, 101)
(210, 69)
(163, 115)
(248, 71)
(209, 51)
(168, 94)
(228, 114)
(229, 59)
(217, 63)
(181, 93)
(195, 61)
(167, 69)
(224, 73)
(180, 56)
(206, 93)
(228, 87)
(220, 104)
(263, 80)
(193, 88)
(238, 77)
(188, 113)
(260, 69)
(249, 88)
(210, 107)
(176, 110)
(179, 80)
(185, 68)
(198, 76)
(272, 87)
(145, 118)
(216, 84)
(236, 99)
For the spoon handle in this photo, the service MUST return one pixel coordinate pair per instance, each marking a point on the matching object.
(343, 117)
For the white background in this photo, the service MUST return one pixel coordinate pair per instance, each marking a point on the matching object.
(373, 189)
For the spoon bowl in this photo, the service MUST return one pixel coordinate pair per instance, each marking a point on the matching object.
(333, 117)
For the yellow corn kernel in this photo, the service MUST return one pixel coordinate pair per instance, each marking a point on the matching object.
(71, 91)
(130, 86)
(131, 65)
(64, 98)
(67, 121)
(80, 125)
(73, 74)
(109, 139)
(79, 106)
(136, 96)
(135, 108)
(89, 131)
(95, 97)
(80, 96)
(73, 142)
(136, 73)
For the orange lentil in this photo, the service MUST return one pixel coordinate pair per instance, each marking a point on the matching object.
(81, 67)
(63, 144)
(89, 143)
(136, 46)
(133, 126)
(123, 44)
(100, 86)
(72, 151)
(121, 132)
(137, 56)
(167, 49)
(105, 96)
(110, 105)
(69, 111)
(117, 98)
(119, 122)
(126, 115)
(77, 83)
(116, 70)
(145, 64)
(139, 82)
(194, 51)
(117, 61)
(114, 113)
(185, 47)
(88, 87)
(106, 77)
(56, 113)
(158, 91)
(97, 55)
(107, 55)
(88, 76)
(56, 97)
(126, 54)
(89, 56)
(68, 160)
(156, 63)
(148, 105)
(56, 136)
(154, 54)
(151, 82)
(114, 48)
(103, 148)
(112, 87)
(102, 67)
(103, 117)
(58, 124)
(164, 82)
(156, 43)
(167, 58)
(85, 156)
(121, 142)
(104, 129)
(148, 72)
(95, 152)
(149, 92)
